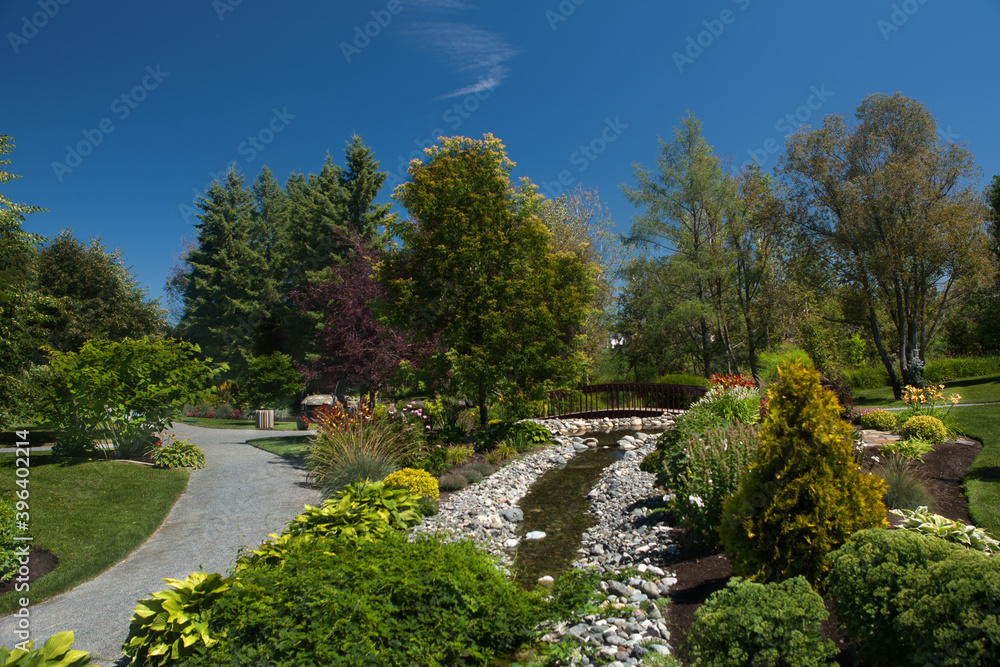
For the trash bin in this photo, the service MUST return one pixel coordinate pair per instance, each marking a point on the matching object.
(265, 419)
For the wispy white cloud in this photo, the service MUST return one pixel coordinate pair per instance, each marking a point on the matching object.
(452, 5)
(478, 52)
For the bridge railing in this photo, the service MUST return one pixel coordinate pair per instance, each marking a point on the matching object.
(621, 399)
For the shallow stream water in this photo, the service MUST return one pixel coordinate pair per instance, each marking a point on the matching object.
(557, 505)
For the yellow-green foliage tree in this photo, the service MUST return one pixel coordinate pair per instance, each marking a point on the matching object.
(477, 269)
(803, 495)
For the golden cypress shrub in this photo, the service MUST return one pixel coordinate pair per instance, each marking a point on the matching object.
(419, 482)
(803, 495)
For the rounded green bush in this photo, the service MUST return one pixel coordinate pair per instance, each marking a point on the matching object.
(474, 476)
(924, 427)
(419, 482)
(8, 545)
(390, 602)
(452, 482)
(878, 420)
(866, 578)
(485, 468)
(759, 624)
(178, 454)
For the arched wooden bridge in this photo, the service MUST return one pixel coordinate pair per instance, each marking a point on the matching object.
(621, 399)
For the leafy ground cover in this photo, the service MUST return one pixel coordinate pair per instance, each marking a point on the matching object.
(972, 390)
(215, 422)
(291, 447)
(67, 494)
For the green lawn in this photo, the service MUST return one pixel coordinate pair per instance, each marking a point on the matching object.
(214, 422)
(90, 514)
(982, 483)
(972, 390)
(290, 447)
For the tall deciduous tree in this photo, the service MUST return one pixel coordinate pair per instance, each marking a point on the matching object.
(581, 225)
(476, 266)
(93, 295)
(684, 204)
(19, 337)
(894, 215)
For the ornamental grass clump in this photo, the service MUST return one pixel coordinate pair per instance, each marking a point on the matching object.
(803, 494)
(350, 450)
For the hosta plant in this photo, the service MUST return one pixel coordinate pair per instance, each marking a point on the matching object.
(173, 623)
(926, 523)
(178, 454)
(55, 652)
(911, 449)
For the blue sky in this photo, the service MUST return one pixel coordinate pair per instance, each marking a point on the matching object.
(122, 112)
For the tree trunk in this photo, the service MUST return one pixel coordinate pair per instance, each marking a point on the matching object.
(897, 391)
(705, 357)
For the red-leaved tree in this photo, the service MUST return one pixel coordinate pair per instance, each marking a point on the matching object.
(355, 347)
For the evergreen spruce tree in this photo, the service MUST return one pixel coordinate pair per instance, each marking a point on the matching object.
(228, 289)
(361, 181)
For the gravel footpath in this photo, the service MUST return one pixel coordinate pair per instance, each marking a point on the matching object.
(243, 494)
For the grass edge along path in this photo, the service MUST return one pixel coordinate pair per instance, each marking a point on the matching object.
(982, 481)
(290, 447)
(90, 514)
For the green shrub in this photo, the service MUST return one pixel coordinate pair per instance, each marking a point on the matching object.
(904, 488)
(759, 624)
(473, 476)
(73, 444)
(731, 404)
(910, 449)
(784, 355)
(939, 371)
(173, 623)
(178, 454)
(867, 377)
(452, 482)
(920, 520)
(684, 379)
(691, 424)
(700, 473)
(484, 468)
(652, 462)
(879, 420)
(8, 545)
(427, 506)
(419, 482)
(366, 450)
(391, 603)
(867, 576)
(533, 431)
(951, 612)
(272, 381)
(924, 427)
(803, 495)
(55, 652)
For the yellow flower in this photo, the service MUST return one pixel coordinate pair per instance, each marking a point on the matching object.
(954, 398)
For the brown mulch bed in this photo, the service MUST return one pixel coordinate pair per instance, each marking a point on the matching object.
(699, 575)
(40, 563)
